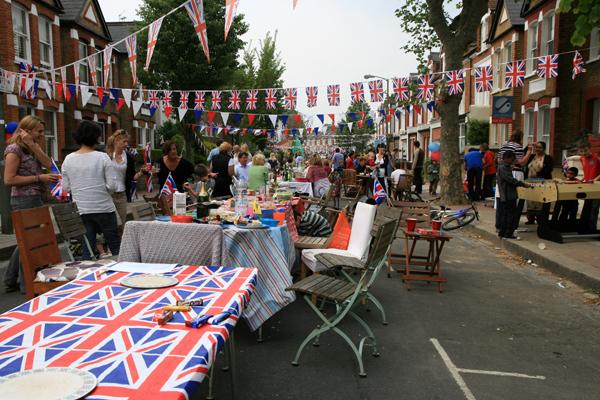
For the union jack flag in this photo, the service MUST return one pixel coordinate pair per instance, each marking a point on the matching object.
(148, 163)
(63, 83)
(357, 92)
(311, 96)
(166, 100)
(230, 10)
(153, 30)
(271, 99)
(91, 60)
(515, 74)
(379, 194)
(484, 80)
(215, 103)
(153, 98)
(27, 86)
(289, 98)
(425, 87)
(376, 90)
(400, 88)
(455, 81)
(548, 66)
(198, 100)
(251, 99)
(107, 56)
(131, 44)
(235, 100)
(56, 188)
(169, 187)
(195, 9)
(333, 95)
(183, 100)
(578, 64)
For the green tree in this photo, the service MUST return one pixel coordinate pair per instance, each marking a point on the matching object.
(429, 25)
(359, 137)
(477, 132)
(587, 13)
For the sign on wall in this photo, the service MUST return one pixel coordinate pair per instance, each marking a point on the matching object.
(502, 110)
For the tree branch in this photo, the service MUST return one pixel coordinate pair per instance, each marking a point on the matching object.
(437, 19)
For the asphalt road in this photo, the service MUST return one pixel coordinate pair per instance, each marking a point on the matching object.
(494, 315)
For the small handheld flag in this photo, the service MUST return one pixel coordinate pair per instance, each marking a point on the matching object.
(56, 188)
(379, 194)
(169, 187)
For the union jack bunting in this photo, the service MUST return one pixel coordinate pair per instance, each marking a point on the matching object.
(63, 83)
(455, 82)
(91, 60)
(270, 99)
(400, 88)
(548, 66)
(199, 100)
(195, 9)
(235, 100)
(97, 325)
(230, 11)
(376, 90)
(153, 98)
(166, 102)
(56, 188)
(169, 187)
(484, 80)
(514, 75)
(425, 87)
(333, 95)
(578, 65)
(76, 68)
(131, 44)
(357, 92)
(215, 103)
(289, 98)
(251, 99)
(26, 80)
(153, 30)
(183, 100)
(311, 96)
(107, 55)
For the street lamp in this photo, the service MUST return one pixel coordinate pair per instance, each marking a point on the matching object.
(387, 90)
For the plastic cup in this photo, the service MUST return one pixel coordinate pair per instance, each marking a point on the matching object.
(436, 225)
(279, 216)
(411, 224)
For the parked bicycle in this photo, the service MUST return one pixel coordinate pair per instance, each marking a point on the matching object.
(454, 219)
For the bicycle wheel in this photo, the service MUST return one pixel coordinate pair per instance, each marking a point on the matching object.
(458, 221)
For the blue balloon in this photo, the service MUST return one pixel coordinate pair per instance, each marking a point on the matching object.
(434, 146)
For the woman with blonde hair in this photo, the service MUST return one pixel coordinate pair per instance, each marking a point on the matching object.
(222, 165)
(258, 173)
(24, 158)
(123, 172)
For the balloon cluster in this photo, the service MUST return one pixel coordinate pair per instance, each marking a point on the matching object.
(434, 149)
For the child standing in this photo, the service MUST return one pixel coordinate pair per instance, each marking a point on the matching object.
(507, 186)
(433, 172)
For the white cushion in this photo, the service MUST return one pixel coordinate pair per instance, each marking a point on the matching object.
(360, 237)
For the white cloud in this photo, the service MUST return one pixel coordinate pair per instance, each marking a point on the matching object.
(322, 41)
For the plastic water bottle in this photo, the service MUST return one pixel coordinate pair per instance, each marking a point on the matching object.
(241, 198)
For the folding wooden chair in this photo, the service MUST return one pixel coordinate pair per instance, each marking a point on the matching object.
(70, 226)
(345, 294)
(143, 212)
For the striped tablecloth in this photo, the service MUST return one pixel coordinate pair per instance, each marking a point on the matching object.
(97, 325)
(271, 251)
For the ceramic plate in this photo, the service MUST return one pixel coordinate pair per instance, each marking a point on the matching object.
(48, 384)
(253, 226)
(149, 281)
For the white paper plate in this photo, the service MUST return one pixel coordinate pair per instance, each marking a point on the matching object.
(149, 281)
(48, 384)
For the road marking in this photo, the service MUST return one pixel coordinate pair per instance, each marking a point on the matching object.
(455, 371)
(498, 373)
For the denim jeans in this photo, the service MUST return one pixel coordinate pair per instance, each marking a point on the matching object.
(14, 273)
(105, 223)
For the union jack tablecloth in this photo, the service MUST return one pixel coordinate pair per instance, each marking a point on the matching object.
(98, 325)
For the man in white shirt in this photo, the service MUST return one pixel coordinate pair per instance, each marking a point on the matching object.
(241, 169)
(398, 172)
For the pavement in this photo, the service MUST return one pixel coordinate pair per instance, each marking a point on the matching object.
(502, 329)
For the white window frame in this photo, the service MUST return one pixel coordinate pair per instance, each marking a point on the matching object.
(532, 48)
(25, 110)
(483, 32)
(497, 74)
(462, 136)
(50, 133)
(103, 125)
(547, 47)
(27, 34)
(507, 57)
(543, 125)
(84, 69)
(595, 44)
(99, 70)
(529, 126)
(43, 24)
(596, 116)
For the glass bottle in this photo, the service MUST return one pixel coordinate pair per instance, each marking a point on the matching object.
(201, 208)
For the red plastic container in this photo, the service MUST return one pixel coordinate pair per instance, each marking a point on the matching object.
(436, 225)
(182, 219)
(411, 224)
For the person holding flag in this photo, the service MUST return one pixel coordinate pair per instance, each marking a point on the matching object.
(379, 194)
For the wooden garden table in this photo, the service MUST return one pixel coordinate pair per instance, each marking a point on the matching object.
(432, 271)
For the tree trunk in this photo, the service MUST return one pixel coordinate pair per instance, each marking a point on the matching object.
(451, 165)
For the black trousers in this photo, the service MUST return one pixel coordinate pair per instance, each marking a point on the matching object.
(418, 179)
(507, 218)
(589, 216)
(488, 186)
(474, 183)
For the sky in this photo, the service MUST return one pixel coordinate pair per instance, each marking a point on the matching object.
(322, 42)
